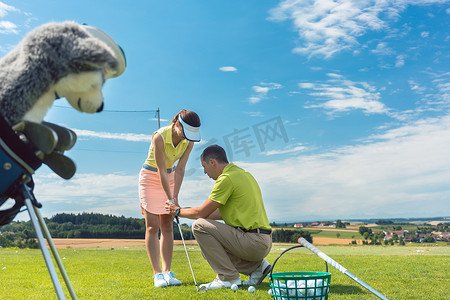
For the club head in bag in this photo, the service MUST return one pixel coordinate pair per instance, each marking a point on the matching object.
(60, 164)
(41, 137)
(66, 137)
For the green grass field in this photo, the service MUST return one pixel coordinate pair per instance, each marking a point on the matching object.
(409, 272)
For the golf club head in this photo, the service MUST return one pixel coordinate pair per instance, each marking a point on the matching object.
(60, 164)
(66, 137)
(40, 136)
(202, 289)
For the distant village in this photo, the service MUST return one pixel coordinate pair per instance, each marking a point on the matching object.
(424, 233)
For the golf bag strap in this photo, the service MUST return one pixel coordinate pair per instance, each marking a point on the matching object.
(16, 148)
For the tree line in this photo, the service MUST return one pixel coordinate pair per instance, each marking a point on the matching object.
(94, 225)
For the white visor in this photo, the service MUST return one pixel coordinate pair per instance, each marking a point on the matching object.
(191, 133)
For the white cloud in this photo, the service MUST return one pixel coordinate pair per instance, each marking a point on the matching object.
(400, 62)
(7, 27)
(416, 87)
(5, 9)
(132, 137)
(327, 27)
(290, 149)
(254, 113)
(382, 49)
(402, 172)
(424, 34)
(340, 95)
(262, 90)
(228, 69)
(405, 172)
(102, 193)
(254, 99)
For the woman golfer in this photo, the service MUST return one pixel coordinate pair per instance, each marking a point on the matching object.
(159, 181)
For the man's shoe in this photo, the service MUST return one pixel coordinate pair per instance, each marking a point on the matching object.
(218, 284)
(171, 280)
(159, 280)
(259, 274)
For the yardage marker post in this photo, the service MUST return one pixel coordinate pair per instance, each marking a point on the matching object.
(340, 268)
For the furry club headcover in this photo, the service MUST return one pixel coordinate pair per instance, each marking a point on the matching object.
(57, 60)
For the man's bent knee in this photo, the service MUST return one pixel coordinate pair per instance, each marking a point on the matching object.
(198, 226)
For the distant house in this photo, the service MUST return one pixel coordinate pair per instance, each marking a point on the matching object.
(443, 236)
(315, 224)
(388, 236)
(298, 225)
(400, 233)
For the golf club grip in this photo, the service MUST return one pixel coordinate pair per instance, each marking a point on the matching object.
(322, 255)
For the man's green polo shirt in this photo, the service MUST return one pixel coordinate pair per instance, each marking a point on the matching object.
(241, 199)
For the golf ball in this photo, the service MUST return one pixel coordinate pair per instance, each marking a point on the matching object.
(251, 289)
(234, 287)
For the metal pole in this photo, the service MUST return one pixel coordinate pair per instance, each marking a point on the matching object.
(62, 270)
(159, 119)
(40, 237)
(341, 269)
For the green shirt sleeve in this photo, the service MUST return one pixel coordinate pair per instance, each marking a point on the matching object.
(222, 190)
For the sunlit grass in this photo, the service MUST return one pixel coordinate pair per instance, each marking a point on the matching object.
(125, 273)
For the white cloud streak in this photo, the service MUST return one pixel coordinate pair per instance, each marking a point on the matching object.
(5, 9)
(228, 69)
(341, 95)
(131, 137)
(291, 149)
(327, 27)
(7, 27)
(262, 90)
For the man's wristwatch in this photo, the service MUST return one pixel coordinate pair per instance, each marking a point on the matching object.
(177, 212)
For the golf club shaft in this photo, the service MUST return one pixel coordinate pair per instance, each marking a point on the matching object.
(187, 254)
(341, 269)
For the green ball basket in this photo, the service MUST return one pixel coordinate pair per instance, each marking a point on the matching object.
(299, 285)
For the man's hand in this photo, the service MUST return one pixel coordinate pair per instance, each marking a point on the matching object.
(171, 208)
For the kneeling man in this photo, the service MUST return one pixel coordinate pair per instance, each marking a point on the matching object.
(241, 244)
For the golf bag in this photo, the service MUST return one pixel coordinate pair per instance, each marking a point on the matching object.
(23, 149)
(18, 162)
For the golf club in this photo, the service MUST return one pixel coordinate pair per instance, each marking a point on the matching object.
(202, 289)
(341, 269)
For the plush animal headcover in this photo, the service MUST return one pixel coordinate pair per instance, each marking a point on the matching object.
(57, 60)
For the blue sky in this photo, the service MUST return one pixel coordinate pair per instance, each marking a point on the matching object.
(340, 109)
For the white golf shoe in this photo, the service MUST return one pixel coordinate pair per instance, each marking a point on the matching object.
(159, 280)
(259, 274)
(170, 278)
(218, 284)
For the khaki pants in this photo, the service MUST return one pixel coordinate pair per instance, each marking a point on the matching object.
(228, 250)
